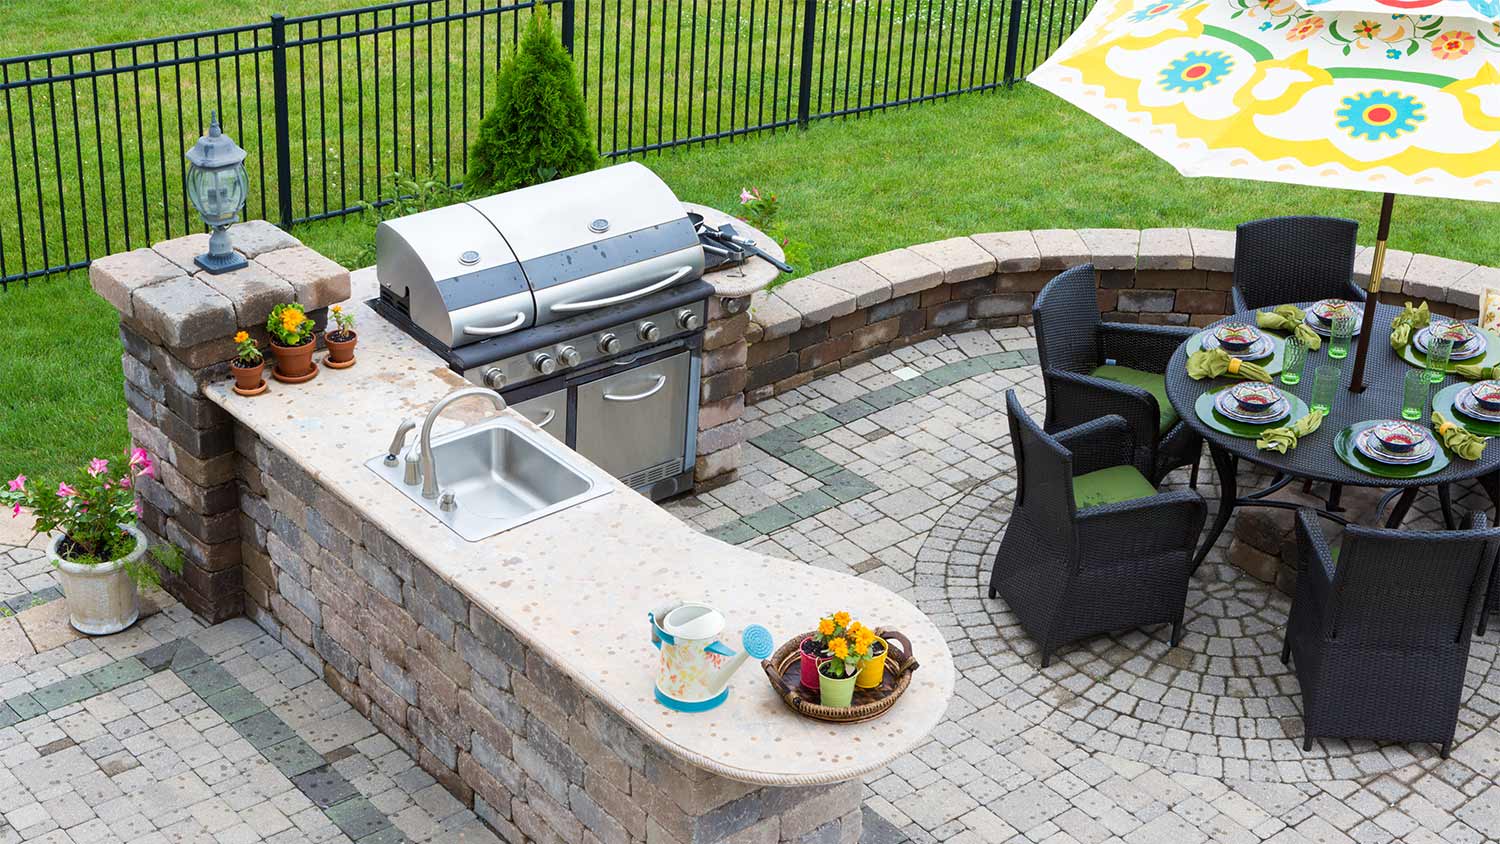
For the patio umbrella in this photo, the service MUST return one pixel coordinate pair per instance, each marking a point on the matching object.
(1372, 98)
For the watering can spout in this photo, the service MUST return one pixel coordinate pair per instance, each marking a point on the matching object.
(755, 641)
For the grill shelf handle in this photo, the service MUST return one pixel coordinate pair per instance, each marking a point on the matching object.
(676, 276)
(546, 419)
(497, 330)
(661, 381)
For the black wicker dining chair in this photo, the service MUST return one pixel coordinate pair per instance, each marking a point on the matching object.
(1091, 367)
(1294, 259)
(1091, 546)
(1379, 629)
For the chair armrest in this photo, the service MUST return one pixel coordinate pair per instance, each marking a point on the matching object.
(1074, 400)
(1356, 293)
(1104, 442)
(1145, 347)
(1168, 521)
(1314, 559)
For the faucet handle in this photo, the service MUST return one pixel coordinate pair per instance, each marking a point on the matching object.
(398, 442)
(413, 474)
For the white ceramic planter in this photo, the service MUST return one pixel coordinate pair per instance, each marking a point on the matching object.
(102, 598)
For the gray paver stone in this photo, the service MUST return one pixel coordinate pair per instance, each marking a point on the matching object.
(1213, 250)
(253, 238)
(119, 276)
(815, 301)
(1112, 249)
(1014, 252)
(775, 316)
(1165, 249)
(1060, 248)
(185, 312)
(318, 281)
(960, 258)
(1431, 277)
(867, 286)
(252, 290)
(907, 271)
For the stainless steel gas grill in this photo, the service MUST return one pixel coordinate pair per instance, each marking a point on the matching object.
(580, 301)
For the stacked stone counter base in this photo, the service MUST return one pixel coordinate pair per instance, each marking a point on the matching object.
(175, 324)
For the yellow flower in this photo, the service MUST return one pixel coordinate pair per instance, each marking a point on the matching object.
(863, 640)
(290, 319)
(338, 309)
(841, 618)
(839, 647)
(241, 337)
(825, 627)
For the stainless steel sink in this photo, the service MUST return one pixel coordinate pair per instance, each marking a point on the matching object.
(496, 475)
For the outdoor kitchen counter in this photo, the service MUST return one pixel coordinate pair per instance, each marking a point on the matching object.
(577, 585)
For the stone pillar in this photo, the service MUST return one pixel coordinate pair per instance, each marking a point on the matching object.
(723, 389)
(176, 325)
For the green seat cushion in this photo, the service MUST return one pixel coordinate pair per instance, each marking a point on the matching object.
(1108, 486)
(1152, 383)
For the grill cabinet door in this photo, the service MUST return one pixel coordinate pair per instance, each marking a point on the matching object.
(636, 420)
(548, 412)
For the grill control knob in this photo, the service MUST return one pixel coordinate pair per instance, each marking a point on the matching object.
(494, 378)
(649, 332)
(688, 320)
(568, 356)
(609, 344)
(544, 364)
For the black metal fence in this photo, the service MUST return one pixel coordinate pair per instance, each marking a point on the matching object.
(331, 105)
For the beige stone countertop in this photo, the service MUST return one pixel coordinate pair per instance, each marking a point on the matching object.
(577, 585)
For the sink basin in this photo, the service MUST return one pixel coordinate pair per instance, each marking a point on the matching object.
(501, 475)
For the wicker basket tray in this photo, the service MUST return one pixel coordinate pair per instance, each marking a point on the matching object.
(785, 666)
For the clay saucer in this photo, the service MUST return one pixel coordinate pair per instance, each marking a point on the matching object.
(328, 362)
(298, 379)
(253, 392)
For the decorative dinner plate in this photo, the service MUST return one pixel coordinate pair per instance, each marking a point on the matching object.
(1468, 405)
(1327, 310)
(1447, 402)
(1225, 403)
(1344, 446)
(1263, 347)
(1324, 329)
(1370, 446)
(1475, 345)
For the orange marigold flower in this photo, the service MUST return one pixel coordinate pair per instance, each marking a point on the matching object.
(241, 336)
(841, 618)
(839, 647)
(863, 640)
(825, 627)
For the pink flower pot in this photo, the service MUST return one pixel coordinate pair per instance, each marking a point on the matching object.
(810, 662)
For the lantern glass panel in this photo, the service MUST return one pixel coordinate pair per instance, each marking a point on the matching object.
(217, 194)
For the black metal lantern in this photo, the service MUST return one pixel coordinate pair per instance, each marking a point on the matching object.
(217, 185)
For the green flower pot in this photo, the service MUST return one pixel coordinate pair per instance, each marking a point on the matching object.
(836, 691)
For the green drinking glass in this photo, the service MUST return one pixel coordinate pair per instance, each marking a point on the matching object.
(1439, 351)
(1414, 395)
(1293, 356)
(1325, 385)
(1340, 331)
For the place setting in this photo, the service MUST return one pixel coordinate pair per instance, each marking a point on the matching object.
(1443, 344)
(1248, 409)
(1474, 406)
(1242, 342)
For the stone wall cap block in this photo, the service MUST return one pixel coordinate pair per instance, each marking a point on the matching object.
(1431, 277)
(775, 317)
(254, 238)
(1467, 291)
(1165, 249)
(1213, 250)
(1392, 275)
(815, 301)
(867, 286)
(1112, 249)
(907, 271)
(1015, 252)
(117, 277)
(182, 250)
(1060, 248)
(318, 281)
(185, 312)
(960, 258)
(252, 290)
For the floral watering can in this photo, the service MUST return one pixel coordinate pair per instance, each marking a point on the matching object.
(695, 665)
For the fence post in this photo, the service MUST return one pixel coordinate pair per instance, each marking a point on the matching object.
(804, 84)
(281, 104)
(1012, 42)
(568, 7)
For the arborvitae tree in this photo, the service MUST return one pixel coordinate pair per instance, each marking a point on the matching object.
(537, 130)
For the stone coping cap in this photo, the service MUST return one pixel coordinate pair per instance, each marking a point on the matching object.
(843, 289)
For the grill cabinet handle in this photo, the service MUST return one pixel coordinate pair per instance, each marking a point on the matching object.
(661, 381)
(676, 276)
(498, 329)
(546, 419)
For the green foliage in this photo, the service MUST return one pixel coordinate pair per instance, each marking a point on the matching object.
(537, 129)
(288, 324)
(87, 505)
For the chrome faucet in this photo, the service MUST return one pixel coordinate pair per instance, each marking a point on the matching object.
(398, 442)
(429, 463)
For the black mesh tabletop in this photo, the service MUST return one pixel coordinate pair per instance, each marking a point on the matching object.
(1314, 458)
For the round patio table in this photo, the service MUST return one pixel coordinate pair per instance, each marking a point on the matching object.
(1314, 459)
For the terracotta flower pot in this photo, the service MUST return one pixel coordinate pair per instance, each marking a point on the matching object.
(873, 671)
(812, 657)
(835, 691)
(248, 379)
(340, 351)
(102, 598)
(294, 363)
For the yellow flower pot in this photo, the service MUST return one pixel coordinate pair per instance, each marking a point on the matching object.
(873, 671)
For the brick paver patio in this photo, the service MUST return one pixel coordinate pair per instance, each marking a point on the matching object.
(897, 470)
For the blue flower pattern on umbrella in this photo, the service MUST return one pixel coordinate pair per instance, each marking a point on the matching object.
(1196, 71)
(1380, 115)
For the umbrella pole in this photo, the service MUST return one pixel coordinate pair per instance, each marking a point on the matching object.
(1377, 266)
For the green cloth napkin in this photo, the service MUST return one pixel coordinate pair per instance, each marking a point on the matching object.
(1475, 372)
(1290, 318)
(1284, 438)
(1407, 323)
(1459, 440)
(1211, 363)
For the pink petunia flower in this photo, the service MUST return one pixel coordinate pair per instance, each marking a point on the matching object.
(15, 511)
(64, 491)
(746, 196)
(137, 508)
(148, 468)
(18, 484)
(139, 456)
(125, 482)
(98, 466)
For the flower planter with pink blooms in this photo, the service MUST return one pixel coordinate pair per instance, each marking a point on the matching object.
(101, 555)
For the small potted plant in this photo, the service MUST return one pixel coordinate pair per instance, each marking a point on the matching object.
(814, 648)
(98, 551)
(341, 340)
(836, 675)
(247, 366)
(872, 651)
(292, 335)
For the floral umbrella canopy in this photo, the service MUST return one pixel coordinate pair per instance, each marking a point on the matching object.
(1274, 91)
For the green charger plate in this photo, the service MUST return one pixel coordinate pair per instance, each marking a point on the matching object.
(1211, 416)
(1272, 363)
(1490, 357)
(1443, 403)
(1343, 446)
